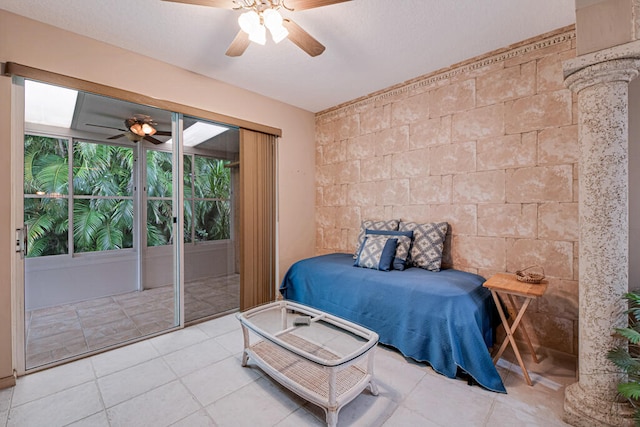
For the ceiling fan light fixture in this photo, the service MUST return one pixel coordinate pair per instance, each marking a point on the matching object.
(272, 18)
(278, 34)
(258, 35)
(258, 15)
(147, 129)
(273, 21)
(137, 129)
(249, 21)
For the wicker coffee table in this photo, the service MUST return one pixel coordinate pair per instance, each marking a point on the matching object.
(322, 358)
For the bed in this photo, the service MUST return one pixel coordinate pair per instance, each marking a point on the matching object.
(444, 318)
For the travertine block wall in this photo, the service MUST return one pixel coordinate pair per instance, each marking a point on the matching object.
(489, 145)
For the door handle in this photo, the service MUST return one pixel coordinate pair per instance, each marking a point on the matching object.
(21, 241)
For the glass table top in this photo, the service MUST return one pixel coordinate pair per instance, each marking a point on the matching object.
(315, 335)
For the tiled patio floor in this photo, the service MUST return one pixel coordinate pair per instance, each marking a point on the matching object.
(193, 377)
(60, 332)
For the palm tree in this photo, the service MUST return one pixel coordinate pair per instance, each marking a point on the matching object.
(103, 196)
(159, 211)
(98, 170)
(627, 356)
(46, 172)
(101, 170)
(212, 181)
(188, 198)
(47, 225)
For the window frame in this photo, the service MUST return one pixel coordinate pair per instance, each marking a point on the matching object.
(70, 197)
(192, 154)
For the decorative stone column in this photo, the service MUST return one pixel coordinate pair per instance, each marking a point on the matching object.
(602, 87)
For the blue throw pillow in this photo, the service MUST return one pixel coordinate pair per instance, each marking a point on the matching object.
(390, 225)
(377, 252)
(405, 238)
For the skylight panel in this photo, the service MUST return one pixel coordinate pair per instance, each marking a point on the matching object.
(200, 132)
(49, 105)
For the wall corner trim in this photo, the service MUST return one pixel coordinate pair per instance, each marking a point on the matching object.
(524, 47)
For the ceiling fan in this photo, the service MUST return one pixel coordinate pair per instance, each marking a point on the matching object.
(260, 15)
(137, 127)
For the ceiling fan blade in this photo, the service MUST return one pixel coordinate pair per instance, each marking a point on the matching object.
(106, 127)
(310, 4)
(162, 133)
(302, 39)
(239, 44)
(153, 140)
(225, 4)
(117, 136)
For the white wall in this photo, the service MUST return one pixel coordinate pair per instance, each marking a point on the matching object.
(61, 279)
(56, 280)
(213, 259)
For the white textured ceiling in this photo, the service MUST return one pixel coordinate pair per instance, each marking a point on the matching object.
(371, 44)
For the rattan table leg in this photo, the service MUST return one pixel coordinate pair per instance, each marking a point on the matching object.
(372, 385)
(245, 337)
(332, 417)
(332, 410)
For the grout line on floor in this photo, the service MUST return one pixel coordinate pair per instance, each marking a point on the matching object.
(492, 412)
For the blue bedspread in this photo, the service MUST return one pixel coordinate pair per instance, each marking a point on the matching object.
(442, 318)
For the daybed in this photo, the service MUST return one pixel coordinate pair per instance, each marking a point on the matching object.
(445, 318)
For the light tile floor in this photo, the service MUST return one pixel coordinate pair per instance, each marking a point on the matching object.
(193, 377)
(63, 331)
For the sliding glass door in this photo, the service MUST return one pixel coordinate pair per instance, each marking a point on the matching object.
(98, 228)
(136, 220)
(211, 272)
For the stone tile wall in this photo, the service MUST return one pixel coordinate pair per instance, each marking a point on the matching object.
(489, 145)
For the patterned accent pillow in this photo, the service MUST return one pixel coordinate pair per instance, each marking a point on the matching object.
(404, 245)
(377, 252)
(428, 241)
(391, 225)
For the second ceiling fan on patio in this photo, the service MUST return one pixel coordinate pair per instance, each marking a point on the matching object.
(137, 127)
(260, 15)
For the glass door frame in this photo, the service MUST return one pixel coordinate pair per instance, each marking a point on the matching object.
(178, 218)
(19, 73)
(139, 197)
(17, 221)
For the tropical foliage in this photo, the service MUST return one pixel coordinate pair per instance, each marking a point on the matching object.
(211, 208)
(159, 194)
(46, 171)
(102, 197)
(99, 171)
(627, 356)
